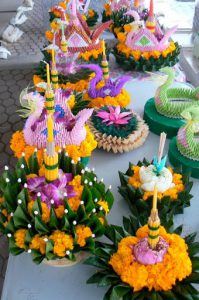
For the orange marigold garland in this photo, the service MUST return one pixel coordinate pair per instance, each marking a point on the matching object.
(128, 279)
(18, 146)
(52, 220)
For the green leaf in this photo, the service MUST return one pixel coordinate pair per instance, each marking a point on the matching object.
(169, 295)
(96, 262)
(195, 263)
(81, 215)
(119, 291)
(95, 278)
(20, 217)
(37, 206)
(193, 278)
(37, 257)
(10, 226)
(182, 292)
(65, 223)
(87, 198)
(10, 194)
(40, 226)
(194, 249)
(23, 196)
(53, 223)
(109, 199)
(28, 237)
(14, 250)
(109, 280)
(33, 164)
(190, 238)
(123, 178)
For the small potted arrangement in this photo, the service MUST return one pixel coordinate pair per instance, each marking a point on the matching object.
(53, 211)
(146, 262)
(71, 132)
(118, 129)
(139, 181)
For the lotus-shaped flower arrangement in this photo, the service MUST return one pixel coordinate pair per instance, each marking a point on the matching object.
(114, 116)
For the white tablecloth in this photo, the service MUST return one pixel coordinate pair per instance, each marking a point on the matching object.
(27, 281)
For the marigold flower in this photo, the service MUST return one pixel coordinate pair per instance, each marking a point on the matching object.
(83, 233)
(172, 192)
(104, 205)
(62, 242)
(38, 243)
(175, 266)
(121, 37)
(59, 211)
(127, 27)
(19, 236)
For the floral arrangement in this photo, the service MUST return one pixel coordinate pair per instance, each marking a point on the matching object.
(69, 74)
(106, 92)
(52, 220)
(119, 18)
(137, 185)
(118, 129)
(132, 270)
(144, 61)
(20, 148)
(91, 17)
(70, 131)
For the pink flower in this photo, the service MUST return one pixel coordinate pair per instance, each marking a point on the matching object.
(114, 116)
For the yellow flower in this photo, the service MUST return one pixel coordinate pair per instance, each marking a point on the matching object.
(122, 99)
(146, 55)
(54, 25)
(136, 54)
(91, 13)
(117, 30)
(19, 236)
(36, 79)
(83, 232)
(63, 4)
(59, 211)
(175, 266)
(121, 37)
(49, 36)
(74, 202)
(62, 242)
(127, 27)
(38, 243)
(71, 101)
(30, 206)
(104, 205)
(17, 143)
(45, 212)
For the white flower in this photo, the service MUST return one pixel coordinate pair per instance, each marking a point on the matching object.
(150, 179)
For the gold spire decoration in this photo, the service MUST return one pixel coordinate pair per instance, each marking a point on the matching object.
(154, 223)
(49, 95)
(50, 155)
(63, 44)
(104, 63)
(54, 73)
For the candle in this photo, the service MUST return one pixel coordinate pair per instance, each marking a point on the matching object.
(53, 56)
(50, 126)
(103, 48)
(155, 197)
(48, 74)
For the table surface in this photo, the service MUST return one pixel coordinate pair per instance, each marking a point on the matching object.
(27, 281)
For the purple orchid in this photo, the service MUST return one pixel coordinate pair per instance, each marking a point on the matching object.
(114, 116)
(51, 191)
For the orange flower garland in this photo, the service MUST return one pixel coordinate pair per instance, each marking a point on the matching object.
(175, 266)
(18, 146)
(172, 192)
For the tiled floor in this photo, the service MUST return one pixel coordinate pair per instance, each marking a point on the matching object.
(11, 83)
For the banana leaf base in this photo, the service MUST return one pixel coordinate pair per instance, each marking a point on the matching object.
(64, 262)
(177, 159)
(158, 123)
